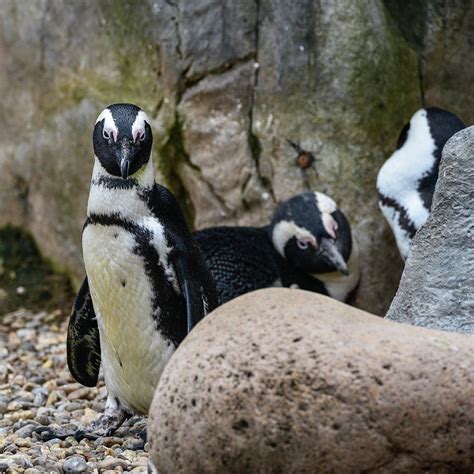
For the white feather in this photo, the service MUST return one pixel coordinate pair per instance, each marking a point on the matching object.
(327, 206)
(109, 123)
(138, 125)
(284, 231)
(125, 202)
(338, 285)
(399, 177)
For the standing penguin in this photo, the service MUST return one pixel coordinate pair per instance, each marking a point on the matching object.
(147, 283)
(407, 180)
(308, 245)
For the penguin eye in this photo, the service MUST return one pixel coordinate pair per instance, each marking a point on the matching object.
(302, 244)
(142, 136)
(106, 134)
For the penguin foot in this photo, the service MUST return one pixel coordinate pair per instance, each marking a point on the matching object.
(106, 425)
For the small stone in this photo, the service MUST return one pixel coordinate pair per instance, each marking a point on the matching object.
(26, 431)
(140, 461)
(52, 398)
(89, 416)
(69, 406)
(52, 442)
(140, 469)
(41, 396)
(128, 455)
(110, 463)
(133, 444)
(32, 470)
(23, 442)
(22, 415)
(17, 405)
(81, 393)
(108, 441)
(75, 464)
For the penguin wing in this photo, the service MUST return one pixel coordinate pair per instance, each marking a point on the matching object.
(191, 289)
(194, 279)
(83, 342)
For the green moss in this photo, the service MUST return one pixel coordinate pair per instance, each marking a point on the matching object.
(129, 63)
(171, 155)
(26, 279)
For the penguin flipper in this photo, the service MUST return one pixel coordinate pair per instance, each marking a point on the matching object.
(83, 341)
(192, 292)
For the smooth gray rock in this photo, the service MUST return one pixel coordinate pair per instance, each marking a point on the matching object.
(437, 286)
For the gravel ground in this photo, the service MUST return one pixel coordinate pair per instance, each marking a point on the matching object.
(36, 389)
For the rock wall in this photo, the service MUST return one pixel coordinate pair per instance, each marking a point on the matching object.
(226, 84)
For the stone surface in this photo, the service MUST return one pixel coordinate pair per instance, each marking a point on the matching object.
(54, 79)
(284, 380)
(442, 34)
(225, 84)
(437, 286)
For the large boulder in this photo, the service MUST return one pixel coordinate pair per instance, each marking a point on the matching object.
(284, 380)
(437, 285)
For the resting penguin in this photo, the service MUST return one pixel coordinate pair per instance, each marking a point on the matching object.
(147, 283)
(406, 181)
(308, 245)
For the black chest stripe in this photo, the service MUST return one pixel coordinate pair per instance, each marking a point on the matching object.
(405, 222)
(111, 182)
(169, 309)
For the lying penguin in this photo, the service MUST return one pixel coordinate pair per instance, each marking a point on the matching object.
(407, 180)
(147, 283)
(308, 245)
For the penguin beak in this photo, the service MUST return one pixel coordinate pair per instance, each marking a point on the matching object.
(125, 155)
(124, 168)
(330, 253)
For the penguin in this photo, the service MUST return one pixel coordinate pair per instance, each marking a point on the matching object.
(307, 245)
(406, 181)
(147, 282)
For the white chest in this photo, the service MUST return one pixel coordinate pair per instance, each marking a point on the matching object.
(338, 285)
(133, 351)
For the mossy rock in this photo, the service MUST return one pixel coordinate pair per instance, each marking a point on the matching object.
(26, 279)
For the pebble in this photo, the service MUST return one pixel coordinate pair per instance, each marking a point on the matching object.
(140, 469)
(23, 442)
(110, 463)
(36, 389)
(26, 431)
(75, 464)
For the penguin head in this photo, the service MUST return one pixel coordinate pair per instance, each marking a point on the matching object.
(122, 139)
(312, 234)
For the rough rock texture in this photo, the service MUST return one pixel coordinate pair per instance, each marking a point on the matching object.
(60, 63)
(442, 34)
(284, 380)
(437, 286)
(225, 83)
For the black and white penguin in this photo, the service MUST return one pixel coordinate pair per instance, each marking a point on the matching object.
(147, 282)
(407, 180)
(308, 245)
